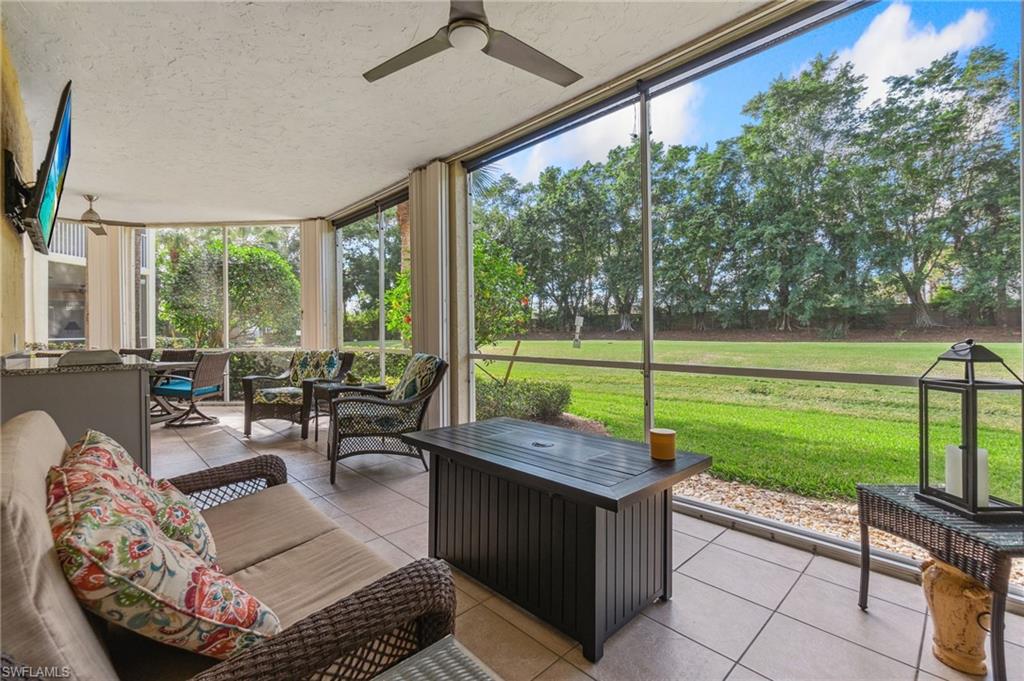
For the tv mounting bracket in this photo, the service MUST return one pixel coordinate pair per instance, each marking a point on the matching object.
(17, 194)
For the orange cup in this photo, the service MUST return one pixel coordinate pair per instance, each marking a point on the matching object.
(663, 444)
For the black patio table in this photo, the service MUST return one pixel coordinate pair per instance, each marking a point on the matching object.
(575, 528)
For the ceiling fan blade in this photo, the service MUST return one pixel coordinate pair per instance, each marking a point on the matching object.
(429, 47)
(467, 9)
(513, 51)
(121, 223)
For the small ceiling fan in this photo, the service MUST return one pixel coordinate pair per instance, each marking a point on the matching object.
(467, 29)
(95, 223)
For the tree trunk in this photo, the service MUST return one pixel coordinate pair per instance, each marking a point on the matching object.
(402, 210)
(922, 318)
(1001, 316)
(784, 322)
(625, 322)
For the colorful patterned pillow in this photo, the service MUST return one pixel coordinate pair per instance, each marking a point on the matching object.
(314, 364)
(123, 568)
(419, 374)
(175, 514)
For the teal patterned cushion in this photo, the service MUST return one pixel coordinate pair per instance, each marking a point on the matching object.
(419, 374)
(286, 395)
(314, 364)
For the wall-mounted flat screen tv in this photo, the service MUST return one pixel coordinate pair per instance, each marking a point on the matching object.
(41, 214)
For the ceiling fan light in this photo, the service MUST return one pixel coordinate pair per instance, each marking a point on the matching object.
(90, 215)
(468, 35)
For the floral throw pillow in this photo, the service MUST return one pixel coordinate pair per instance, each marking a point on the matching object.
(123, 568)
(175, 514)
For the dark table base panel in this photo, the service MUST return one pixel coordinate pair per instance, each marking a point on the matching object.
(586, 571)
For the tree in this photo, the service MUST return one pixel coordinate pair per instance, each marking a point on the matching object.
(799, 153)
(501, 293)
(701, 207)
(935, 146)
(621, 262)
(263, 290)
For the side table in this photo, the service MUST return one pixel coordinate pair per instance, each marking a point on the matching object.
(446, 659)
(327, 391)
(983, 550)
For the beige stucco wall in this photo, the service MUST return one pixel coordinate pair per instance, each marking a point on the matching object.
(16, 136)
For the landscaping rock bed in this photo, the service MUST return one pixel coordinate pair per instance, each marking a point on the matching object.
(836, 518)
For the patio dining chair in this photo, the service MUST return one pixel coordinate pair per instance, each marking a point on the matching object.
(144, 353)
(207, 381)
(364, 421)
(289, 396)
(178, 355)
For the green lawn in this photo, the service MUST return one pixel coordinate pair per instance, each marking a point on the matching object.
(813, 438)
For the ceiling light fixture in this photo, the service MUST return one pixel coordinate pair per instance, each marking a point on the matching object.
(468, 34)
(92, 218)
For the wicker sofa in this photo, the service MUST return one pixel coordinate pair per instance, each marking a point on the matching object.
(346, 613)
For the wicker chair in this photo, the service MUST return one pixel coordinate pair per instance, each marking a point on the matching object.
(144, 353)
(177, 354)
(368, 421)
(206, 382)
(290, 396)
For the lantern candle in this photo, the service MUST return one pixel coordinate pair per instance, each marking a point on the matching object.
(663, 444)
(955, 473)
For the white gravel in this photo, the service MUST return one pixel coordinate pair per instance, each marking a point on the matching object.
(837, 518)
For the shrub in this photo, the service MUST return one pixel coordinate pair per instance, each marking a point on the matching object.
(530, 400)
(255, 364)
(366, 366)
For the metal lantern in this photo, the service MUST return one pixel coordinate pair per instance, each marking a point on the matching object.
(955, 466)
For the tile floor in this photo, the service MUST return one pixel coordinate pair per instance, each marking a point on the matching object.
(743, 607)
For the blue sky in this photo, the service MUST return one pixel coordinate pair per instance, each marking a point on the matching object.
(888, 38)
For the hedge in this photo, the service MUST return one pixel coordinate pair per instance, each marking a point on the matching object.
(529, 400)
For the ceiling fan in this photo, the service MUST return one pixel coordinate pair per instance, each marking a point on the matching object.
(467, 29)
(95, 223)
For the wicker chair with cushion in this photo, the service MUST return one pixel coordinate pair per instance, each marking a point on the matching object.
(206, 382)
(366, 421)
(290, 396)
(346, 612)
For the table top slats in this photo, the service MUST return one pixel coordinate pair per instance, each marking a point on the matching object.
(513, 453)
(595, 469)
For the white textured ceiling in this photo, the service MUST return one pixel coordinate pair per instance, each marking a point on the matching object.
(235, 111)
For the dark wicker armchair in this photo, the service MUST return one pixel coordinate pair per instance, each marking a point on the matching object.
(356, 637)
(290, 396)
(366, 421)
(206, 382)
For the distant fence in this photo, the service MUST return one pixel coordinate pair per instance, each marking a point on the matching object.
(896, 317)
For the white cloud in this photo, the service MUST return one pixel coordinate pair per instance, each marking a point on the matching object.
(674, 119)
(892, 45)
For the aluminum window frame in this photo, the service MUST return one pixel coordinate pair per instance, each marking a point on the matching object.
(376, 209)
(804, 20)
(149, 230)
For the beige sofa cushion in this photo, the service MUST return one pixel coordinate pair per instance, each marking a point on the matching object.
(259, 526)
(313, 575)
(42, 622)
